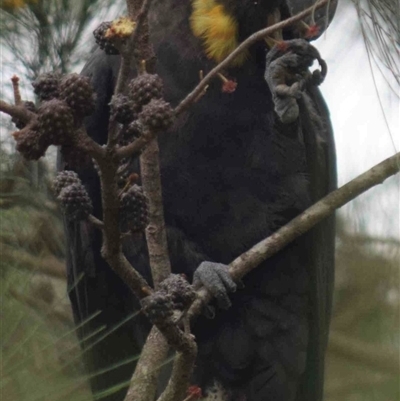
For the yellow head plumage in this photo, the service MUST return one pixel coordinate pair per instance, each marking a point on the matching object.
(218, 30)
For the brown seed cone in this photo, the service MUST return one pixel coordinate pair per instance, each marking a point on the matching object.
(158, 115)
(104, 44)
(133, 209)
(121, 108)
(46, 86)
(30, 143)
(75, 202)
(129, 132)
(77, 91)
(56, 122)
(144, 88)
(179, 288)
(63, 180)
(158, 306)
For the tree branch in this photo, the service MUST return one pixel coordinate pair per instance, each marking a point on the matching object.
(155, 231)
(144, 381)
(142, 142)
(111, 249)
(135, 147)
(143, 384)
(197, 91)
(19, 112)
(249, 260)
(95, 222)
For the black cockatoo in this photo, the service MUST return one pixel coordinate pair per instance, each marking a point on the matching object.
(233, 171)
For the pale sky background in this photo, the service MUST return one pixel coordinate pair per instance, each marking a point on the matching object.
(362, 136)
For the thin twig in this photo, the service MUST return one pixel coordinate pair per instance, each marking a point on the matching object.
(95, 222)
(19, 112)
(156, 236)
(181, 373)
(111, 249)
(143, 384)
(140, 143)
(140, 17)
(135, 147)
(192, 96)
(17, 93)
(182, 342)
(83, 141)
(123, 76)
(249, 260)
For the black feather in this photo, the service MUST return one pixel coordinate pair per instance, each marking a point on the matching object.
(232, 174)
